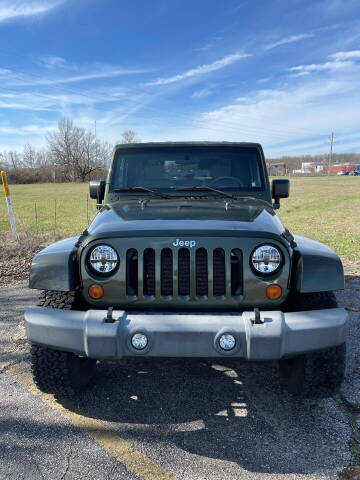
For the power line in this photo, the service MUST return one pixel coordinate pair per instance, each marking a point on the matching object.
(331, 141)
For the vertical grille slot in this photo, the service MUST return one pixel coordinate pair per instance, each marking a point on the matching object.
(132, 272)
(236, 273)
(184, 272)
(219, 289)
(166, 274)
(149, 272)
(201, 272)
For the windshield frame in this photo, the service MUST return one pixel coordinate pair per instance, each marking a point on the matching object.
(236, 191)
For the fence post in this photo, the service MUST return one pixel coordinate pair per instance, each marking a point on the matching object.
(87, 209)
(54, 216)
(8, 203)
(36, 219)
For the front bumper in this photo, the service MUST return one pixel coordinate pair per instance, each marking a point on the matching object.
(186, 334)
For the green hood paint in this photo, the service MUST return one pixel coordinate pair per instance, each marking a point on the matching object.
(215, 216)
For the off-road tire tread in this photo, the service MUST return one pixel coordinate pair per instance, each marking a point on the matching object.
(61, 300)
(53, 369)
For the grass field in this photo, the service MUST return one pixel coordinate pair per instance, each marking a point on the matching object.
(325, 208)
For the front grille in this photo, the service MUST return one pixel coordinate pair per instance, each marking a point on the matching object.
(149, 272)
(166, 277)
(132, 272)
(196, 274)
(184, 272)
(202, 276)
(219, 272)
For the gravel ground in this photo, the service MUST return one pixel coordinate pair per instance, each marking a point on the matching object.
(198, 420)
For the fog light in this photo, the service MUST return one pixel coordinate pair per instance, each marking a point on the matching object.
(139, 341)
(96, 291)
(273, 292)
(227, 341)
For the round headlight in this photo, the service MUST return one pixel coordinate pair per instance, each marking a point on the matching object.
(227, 341)
(139, 341)
(103, 259)
(266, 259)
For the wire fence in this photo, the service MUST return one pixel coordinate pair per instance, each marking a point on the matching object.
(54, 216)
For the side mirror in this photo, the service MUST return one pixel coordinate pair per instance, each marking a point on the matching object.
(97, 190)
(280, 189)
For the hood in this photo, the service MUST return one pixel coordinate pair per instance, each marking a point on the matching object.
(210, 216)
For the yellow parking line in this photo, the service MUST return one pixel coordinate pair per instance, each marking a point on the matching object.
(133, 460)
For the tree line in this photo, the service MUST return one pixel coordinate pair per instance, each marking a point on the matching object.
(294, 163)
(70, 154)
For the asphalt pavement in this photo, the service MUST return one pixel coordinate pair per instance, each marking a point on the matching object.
(173, 419)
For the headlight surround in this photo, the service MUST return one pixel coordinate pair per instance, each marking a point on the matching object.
(103, 260)
(266, 260)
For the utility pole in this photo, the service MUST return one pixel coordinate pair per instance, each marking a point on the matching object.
(95, 128)
(331, 141)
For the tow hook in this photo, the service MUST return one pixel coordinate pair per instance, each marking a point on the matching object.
(257, 320)
(109, 318)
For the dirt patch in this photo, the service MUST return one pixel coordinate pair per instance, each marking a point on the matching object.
(351, 268)
(16, 255)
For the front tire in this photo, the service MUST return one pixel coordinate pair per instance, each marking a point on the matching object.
(317, 374)
(54, 371)
(60, 373)
(314, 375)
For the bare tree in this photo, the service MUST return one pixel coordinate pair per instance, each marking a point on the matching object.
(129, 136)
(76, 152)
(95, 156)
(29, 157)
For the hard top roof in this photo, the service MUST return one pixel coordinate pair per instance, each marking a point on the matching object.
(190, 144)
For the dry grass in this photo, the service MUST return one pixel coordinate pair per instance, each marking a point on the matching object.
(16, 255)
(327, 209)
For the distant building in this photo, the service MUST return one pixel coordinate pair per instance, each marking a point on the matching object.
(309, 168)
(277, 169)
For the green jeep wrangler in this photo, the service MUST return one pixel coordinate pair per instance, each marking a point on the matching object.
(187, 258)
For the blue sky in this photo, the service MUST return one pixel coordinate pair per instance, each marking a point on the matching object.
(282, 72)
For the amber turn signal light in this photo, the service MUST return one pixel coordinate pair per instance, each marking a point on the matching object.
(96, 291)
(273, 292)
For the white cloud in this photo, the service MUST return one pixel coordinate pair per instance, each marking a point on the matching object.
(203, 69)
(353, 54)
(338, 61)
(291, 39)
(94, 72)
(88, 76)
(35, 101)
(51, 61)
(320, 67)
(205, 92)
(27, 129)
(11, 9)
(294, 118)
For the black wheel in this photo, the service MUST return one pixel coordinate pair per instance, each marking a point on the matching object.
(318, 374)
(298, 302)
(54, 371)
(60, 373)
(314, 375)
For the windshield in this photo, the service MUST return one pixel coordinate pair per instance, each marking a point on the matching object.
(172, 168)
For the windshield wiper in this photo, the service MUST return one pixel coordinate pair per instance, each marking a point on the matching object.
(205, 189)
(141, 189)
